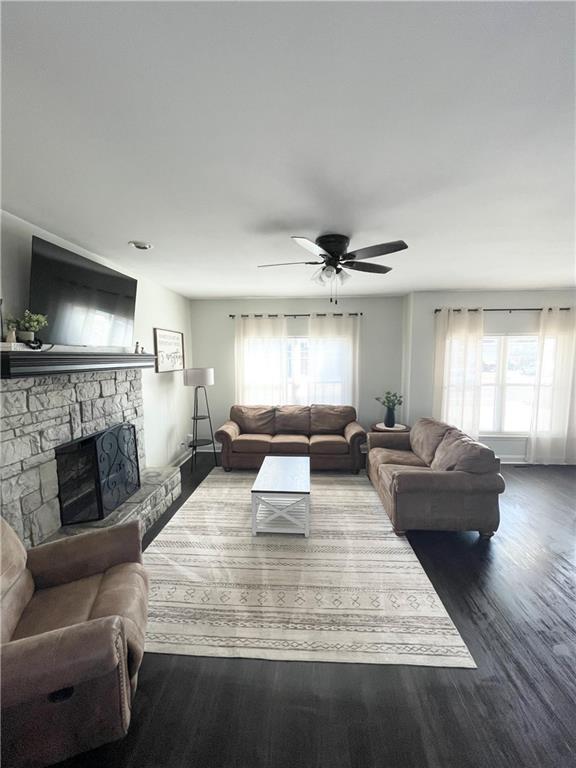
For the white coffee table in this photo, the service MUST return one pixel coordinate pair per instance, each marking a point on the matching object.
(281, 496)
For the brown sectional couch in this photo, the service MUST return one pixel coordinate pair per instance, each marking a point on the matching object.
(435, 478)
(329, 434)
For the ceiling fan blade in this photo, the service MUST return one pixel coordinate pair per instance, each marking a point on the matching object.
(366, 267)
(288, 263)
(310, 246)
(377, 250)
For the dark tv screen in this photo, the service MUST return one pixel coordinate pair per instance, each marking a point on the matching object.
(86, 303)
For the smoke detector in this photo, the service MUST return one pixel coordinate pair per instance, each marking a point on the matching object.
(141, 245)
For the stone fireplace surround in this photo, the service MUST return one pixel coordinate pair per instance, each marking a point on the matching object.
(42, 412)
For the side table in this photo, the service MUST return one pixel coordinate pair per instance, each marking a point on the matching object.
(381, 427)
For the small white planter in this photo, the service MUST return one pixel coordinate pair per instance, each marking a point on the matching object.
(25, 335)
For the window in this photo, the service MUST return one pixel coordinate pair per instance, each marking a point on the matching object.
(509, 381)
(274, 367)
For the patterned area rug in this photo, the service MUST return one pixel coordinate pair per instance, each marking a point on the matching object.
(352, 592)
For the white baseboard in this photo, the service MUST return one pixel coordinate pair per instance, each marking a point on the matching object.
(185, 455)
(513, 459)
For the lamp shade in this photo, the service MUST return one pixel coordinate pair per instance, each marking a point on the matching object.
(198, 377)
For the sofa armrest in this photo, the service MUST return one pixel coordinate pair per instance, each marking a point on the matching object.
(36, 666)
(78, 556)
(415, 481)
(398, 441)
(354, 433)
(227, 432)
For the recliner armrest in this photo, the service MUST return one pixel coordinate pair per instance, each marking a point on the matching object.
(415, 481)
(227, 432)
(41, 664)
(399, 441)
(78, 556)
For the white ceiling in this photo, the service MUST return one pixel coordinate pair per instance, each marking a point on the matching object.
(216, 130)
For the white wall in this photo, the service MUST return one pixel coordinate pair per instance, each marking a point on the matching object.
(396, 341)
(396, 346)
(380, 345)
(421, 351)
(167, 403)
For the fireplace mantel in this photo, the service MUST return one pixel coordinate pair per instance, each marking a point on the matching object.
(19, 364)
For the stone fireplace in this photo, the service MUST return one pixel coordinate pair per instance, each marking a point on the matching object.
(41, 413)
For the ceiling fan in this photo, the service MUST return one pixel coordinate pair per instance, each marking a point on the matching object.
(336, 258)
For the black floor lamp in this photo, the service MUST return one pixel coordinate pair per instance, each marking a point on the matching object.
(200, 378)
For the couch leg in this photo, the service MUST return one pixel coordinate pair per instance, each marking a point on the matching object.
(356, 471)
(486, 535)
(227, 469)
(399, 533)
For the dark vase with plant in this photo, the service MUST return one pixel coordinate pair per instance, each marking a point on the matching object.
(390, 401)
(29, 324)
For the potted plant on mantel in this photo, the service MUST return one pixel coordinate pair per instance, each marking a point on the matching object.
(29, 324)
(391, 401)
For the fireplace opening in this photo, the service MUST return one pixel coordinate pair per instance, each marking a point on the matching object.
(97, 473)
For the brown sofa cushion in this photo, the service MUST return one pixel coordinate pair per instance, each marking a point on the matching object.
(251, 443)
(293, 420)
(332, 444)
(443, 458)
(13, 558)
(392, 456)
(330, 419)
(87, 554)
(466, 455)
(58, 607)
(425, 437)
(16, 584)
(292, 444)
(15, 602)
(254, 419)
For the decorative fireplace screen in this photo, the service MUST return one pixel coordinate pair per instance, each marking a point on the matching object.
(97, 473)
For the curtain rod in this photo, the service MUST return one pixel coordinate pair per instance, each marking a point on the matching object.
(317, 314)
(514, 309)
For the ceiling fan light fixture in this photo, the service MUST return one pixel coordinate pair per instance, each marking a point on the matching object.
(318, 276)
(343, 276)
(329, 272)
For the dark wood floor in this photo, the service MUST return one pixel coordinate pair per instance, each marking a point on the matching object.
(513, 600)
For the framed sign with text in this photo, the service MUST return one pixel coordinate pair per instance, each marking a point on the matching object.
(169, 350)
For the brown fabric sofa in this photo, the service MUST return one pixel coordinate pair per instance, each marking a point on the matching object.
(329, 434)
(435, 478)
(73, 622)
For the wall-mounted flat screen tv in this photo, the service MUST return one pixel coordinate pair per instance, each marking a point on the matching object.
(86, 303)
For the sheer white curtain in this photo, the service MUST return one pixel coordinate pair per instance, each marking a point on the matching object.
(261, 360)
(552, 437)
(316, 363)
(333, 359)
(458, 368)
